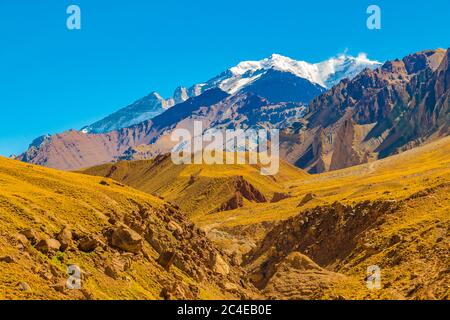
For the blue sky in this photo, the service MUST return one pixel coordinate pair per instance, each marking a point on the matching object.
(53, 79)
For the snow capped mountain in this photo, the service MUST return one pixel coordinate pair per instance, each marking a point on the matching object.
(301, 76)
(332, 71)
(326, 73)
(143, 109)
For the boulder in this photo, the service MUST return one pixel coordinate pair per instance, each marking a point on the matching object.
(60, 286)
(31, 235)
(7, 259)
(298, 261)
(23, 286)
(166, 259)
(174, 227)
(22, 240)
(88, 244)
(127, 240)
(218, 265)
(65, 238)
(307, 198)
(48, 245)
(111, 271)
(179, 291)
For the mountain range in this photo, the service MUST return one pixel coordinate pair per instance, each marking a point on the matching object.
(319, 76)
(380, 111)
(273, 91)
(151, 229)
(364, 182)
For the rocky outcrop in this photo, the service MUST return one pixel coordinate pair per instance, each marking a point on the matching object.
(324, 234)
(114, 251)
(127, 240)
(241, 189)
(236, 201)
(306, 199)
(88, 243)
(117, 236)
(278, 196)
(218, 265)
(297, 277)
(346, 147)
(248, 191)
(31, 235)
(65, 238)
(178, 290)
(166, 259)
(48, 246)
(380, 112)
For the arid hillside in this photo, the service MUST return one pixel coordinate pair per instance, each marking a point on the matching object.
(202, 189)
(320, 233)
(379, 113)
(128, 244)
(398, 106)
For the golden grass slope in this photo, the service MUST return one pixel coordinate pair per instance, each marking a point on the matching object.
(408, 240)
(395, 177)
(409, 244)
(196, 189)
(47, 200)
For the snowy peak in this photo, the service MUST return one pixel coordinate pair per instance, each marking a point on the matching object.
(277, 62)
(333, 70)
(246, 74)
(180, 95)
(326, 73)
(143, 109)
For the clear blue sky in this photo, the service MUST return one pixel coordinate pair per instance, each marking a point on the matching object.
(53, 79)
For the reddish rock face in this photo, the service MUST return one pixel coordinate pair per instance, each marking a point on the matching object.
(379, 113)
(241, 189)
(248, 191)
(74, 150)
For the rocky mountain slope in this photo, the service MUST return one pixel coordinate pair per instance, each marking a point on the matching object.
(318, 234)
(271, 92)
(200, 189)
(314, 78)
(139, 111)
(379, 113)
(344, 240)
(128, 244)
(313, 237)
(215, 109)
(74, 150)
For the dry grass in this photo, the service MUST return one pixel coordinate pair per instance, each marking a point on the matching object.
(396, 177)
(46, 200)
